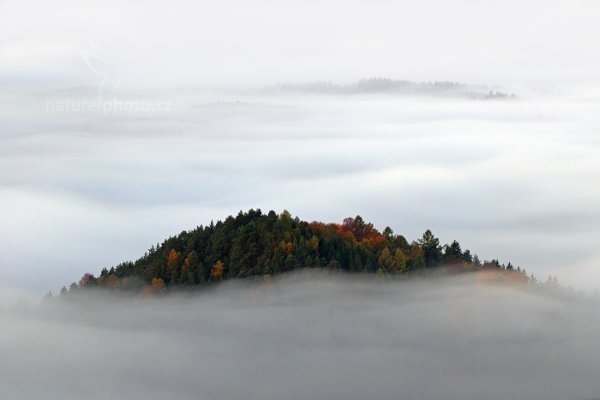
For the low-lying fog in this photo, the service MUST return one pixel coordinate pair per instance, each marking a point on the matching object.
(307, 336)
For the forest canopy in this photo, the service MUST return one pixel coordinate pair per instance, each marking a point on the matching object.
(255, 244)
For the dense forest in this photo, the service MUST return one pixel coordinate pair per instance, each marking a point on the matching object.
(254, 244)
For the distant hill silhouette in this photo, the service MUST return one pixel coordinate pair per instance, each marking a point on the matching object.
(393, 86)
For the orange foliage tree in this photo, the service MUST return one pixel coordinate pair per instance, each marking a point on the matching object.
(216, 272)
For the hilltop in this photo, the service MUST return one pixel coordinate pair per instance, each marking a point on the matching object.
(255, 244)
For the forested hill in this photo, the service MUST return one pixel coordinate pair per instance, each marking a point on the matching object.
(254, 244)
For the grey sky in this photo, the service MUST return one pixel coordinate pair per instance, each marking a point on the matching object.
(235, 42)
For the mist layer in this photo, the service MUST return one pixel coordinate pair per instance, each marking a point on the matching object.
(307, 336)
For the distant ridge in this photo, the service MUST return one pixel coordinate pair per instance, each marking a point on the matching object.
(393, 86)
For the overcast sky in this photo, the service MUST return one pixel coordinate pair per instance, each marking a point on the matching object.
(247, 42)
(83, 188)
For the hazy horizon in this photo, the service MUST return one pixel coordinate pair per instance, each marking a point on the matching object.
(236, 43)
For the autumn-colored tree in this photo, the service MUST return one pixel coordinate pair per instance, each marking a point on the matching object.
(173, 265)
(157, 283)
(253, 244)
(314, 243)
(188, 271)
(216, 272)
(87, 279)
(289, 247)
(384, 259)
(112, 281)
(392, 263)
(361, 230)
(399, 262)
(172, 258)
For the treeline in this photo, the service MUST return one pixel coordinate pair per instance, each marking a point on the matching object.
(254, 244)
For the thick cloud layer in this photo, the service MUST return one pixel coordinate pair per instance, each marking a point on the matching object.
(308, 336)
(514, 180)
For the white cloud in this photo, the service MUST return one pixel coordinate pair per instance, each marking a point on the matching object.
(511, 180)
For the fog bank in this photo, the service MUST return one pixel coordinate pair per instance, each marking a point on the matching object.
(307, 336)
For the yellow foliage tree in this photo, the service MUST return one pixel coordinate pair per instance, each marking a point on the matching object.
(157, 283)
(289, 247)
(172, 258)
(384, 259)
(112, 281)
(314, 243)
(399, 262)
(216, 272)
